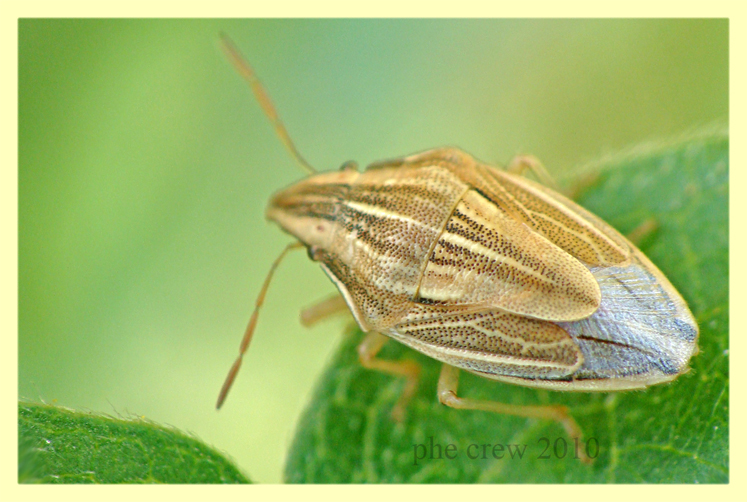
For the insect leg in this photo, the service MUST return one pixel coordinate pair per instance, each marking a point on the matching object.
(367, 350)
(522, 163)
(447, 394)
(324, 309)
(643, 231)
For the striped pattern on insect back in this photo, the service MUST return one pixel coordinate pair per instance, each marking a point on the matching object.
(562, 221)
(308, 209)
(486, 257)
(312, 200)
(491, 342)
(385, 230)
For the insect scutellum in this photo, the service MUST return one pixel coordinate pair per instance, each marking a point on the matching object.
(483, 270)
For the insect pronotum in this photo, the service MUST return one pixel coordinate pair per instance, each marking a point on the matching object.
(483, 270)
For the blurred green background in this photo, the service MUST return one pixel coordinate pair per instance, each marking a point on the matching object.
(145, 165)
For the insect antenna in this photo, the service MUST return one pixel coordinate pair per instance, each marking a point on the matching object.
(252, 324)
(246, 71)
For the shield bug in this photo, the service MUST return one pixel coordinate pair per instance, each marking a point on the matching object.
(483, 270)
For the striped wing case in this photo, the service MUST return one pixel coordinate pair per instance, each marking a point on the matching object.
(492, 273)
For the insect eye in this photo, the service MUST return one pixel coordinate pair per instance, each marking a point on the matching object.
(350, 165)
(313, 253)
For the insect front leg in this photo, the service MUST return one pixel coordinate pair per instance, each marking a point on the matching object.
(448, 383)
(367, 351)
(324, 309)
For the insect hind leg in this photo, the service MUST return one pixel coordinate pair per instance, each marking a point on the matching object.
(448, 383)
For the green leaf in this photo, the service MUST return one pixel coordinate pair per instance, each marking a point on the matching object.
(672, 433)
(57, 445)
